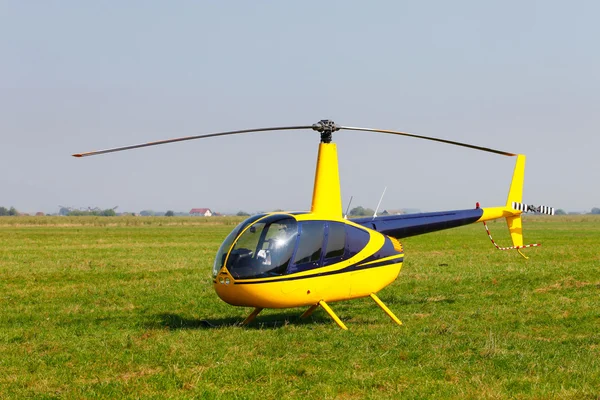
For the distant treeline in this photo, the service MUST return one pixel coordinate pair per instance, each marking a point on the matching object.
(98, 213)
(355, 212)
(8, 211)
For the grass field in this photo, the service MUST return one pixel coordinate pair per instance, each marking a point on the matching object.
(124, 308)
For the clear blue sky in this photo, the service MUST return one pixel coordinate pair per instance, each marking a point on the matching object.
(520, 76)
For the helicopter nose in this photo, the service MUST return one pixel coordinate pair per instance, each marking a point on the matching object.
(231, 293)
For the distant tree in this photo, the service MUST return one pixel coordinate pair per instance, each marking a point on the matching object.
(357, 211)
(242, 214)
(170, 213)
(560, 211)
(361, 212)
(13, 211)
(595, 210)
(3, 211)
(108, 213)
(146, 213)
(80, 213)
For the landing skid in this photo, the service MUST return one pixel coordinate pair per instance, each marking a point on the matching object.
(329, 311)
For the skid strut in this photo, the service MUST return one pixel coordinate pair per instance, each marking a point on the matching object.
(309, 312)
(329, 311)
(332, 315)
(253, 315)
(385, 309)
(339, 322)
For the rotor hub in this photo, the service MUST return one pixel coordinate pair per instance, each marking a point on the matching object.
(326, 127)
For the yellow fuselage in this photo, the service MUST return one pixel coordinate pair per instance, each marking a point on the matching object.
(359, 276)
(309, 291)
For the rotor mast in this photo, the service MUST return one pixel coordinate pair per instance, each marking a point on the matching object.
(327, 197)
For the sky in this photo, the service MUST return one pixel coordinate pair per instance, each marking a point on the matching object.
(519, 76)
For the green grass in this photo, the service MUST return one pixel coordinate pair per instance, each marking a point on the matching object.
(124, 308)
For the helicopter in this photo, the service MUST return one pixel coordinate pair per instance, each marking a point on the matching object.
(313, 258)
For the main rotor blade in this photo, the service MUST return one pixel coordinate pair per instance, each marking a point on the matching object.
(504, 153)
(182, 139)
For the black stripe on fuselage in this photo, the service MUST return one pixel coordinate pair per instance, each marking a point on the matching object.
(351, 268)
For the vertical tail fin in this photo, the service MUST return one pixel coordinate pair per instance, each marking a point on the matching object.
(515, 195)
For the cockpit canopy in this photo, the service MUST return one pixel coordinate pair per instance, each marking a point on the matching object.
(278, 244)
(265, 248)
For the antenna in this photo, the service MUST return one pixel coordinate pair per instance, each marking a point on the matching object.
(378, 204)
(348, 208)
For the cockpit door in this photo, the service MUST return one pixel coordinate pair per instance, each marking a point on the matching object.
(308, 253)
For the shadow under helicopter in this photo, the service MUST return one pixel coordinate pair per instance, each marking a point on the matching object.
(173, 322)
(177, 322)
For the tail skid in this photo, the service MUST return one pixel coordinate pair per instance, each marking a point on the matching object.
(518, 248)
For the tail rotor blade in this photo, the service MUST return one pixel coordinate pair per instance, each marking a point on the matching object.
(531, 208)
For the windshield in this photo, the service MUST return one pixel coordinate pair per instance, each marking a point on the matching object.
(226, 245)
(264, 249)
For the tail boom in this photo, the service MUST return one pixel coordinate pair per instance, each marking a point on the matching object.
(401, 226)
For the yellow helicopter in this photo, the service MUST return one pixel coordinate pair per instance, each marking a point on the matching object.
(295, 259)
